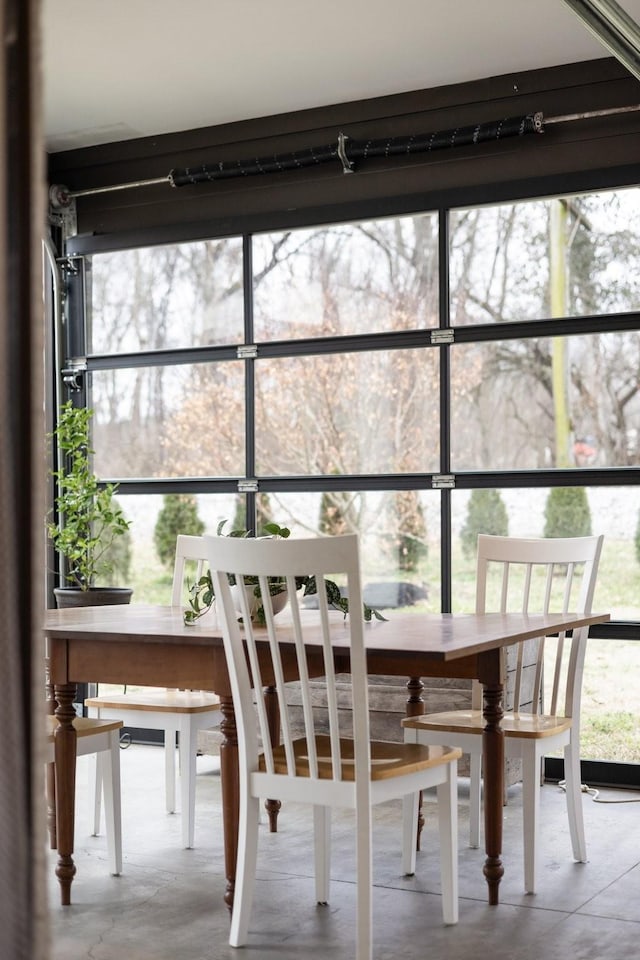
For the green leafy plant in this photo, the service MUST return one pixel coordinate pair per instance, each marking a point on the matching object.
(89, 520)
(201, 593)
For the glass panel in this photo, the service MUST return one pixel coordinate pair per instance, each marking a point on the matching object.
(609, 728)
(562, 512)
(154, 298)
(571, 256)
(553, 402)
(352, 278)
(399, 538)
(176, 421)
(144, 557)
(348, 413)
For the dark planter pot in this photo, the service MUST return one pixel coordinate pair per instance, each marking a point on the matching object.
(93, 597)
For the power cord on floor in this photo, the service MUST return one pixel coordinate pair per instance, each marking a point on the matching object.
(595, 794)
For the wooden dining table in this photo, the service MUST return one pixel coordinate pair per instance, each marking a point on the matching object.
(151, 646)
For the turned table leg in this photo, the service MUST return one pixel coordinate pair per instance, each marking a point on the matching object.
(230, 787)
(493, 779)
(65, 786)
(273, 715)
(51, 767)
(415, 708)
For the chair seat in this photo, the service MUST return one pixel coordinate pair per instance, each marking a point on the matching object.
(387, 759)
(84, 726)
(160, 701)
(526, 725)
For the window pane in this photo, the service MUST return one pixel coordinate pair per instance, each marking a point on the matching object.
(182, 295)
(177, 421)
(399, 538)
(143, 558)
(354, 278)
(569, 511)
(553, 402)
(609, 728)
(572, 256)
(348, 413)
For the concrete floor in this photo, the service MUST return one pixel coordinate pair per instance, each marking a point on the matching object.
(167, 905)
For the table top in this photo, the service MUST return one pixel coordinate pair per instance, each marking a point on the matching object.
(446, 636)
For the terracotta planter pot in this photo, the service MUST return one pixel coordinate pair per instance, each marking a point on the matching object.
(93, 597)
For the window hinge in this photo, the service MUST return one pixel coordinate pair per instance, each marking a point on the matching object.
(443, 481)
(247, 486)
(69, 266)
(248, 351)
(442, 336)
(73, 372)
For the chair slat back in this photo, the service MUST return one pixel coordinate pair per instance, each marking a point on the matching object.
(540, 575)
(188, 548)
(254, 652)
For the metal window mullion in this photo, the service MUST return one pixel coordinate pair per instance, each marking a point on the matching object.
(73, 328)
(548, 327)
(348, 343)
(398, 340)
(162, 358)
(249, 382)
(446, 537)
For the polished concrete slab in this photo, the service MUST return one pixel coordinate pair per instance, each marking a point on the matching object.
(167, 905)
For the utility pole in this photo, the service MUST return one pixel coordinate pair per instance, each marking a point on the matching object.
(559, 358)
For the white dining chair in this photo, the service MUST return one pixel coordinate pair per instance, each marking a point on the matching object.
(529, 575)
(181, 713)
(323, 767)
(102, 738)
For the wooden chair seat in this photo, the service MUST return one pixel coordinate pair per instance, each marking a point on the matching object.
(159, 701)
(84, 727)
(387, 759)
(532, 725)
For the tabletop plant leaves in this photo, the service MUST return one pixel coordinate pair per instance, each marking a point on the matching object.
(201, 593)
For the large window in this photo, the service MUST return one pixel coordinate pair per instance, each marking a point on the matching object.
(419, 379)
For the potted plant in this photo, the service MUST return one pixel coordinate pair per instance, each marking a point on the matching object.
(88, 520)
(201, 594)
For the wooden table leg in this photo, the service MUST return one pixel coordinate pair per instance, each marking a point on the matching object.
(230, 787)
(273, 715)
(51, 767)
(415, 708)
(65, 787)
(493, 780)
(51, 805)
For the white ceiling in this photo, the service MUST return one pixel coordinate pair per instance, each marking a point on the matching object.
(120, 69)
